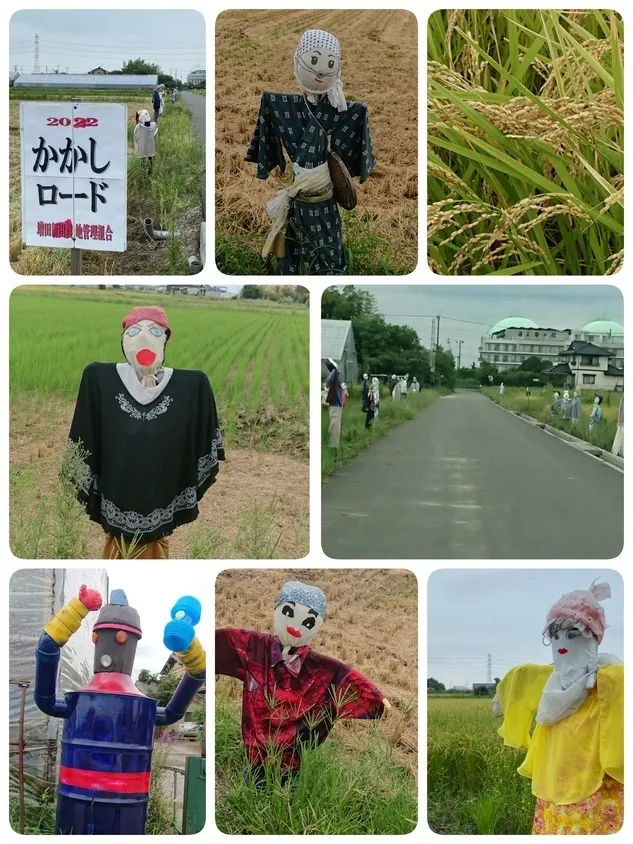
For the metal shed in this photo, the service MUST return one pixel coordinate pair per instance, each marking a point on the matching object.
(87, 80)
(337, 342)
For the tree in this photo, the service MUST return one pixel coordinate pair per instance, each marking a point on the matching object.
(534, 364)
(433, 685)
(145, 676)
(445, 368)
(165, 688)
(352, 302)
(251, 291)
(139, 66)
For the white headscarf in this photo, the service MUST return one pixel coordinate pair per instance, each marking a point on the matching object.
(320, 38)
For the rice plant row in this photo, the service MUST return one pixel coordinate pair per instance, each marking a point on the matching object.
(525, 142)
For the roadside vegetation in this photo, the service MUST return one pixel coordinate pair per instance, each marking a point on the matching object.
(539, 403)
(526, 142)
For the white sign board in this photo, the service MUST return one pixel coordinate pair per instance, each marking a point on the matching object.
(74, 175)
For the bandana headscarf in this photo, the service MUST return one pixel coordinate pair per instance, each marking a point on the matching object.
(581, 623)
(299, 613)
(319, 38)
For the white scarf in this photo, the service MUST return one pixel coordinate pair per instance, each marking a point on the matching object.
(143, 395)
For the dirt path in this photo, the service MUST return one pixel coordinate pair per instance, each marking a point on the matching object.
(263, 497)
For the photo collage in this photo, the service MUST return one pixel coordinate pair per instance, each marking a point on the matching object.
(424, 475)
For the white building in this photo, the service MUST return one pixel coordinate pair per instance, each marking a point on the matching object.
(197, 76)
(585, 366)
(606, 334)
(515, 339)
(87, 80)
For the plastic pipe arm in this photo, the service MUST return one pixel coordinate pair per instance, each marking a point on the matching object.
(47, 654)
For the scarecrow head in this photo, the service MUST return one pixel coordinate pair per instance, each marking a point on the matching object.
(116, 635)
(145, 334)
(575, 627)
(299, 613)
(317, 66)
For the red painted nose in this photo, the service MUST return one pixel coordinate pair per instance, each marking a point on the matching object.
(145, 357)
(293, 632)
(562, 650)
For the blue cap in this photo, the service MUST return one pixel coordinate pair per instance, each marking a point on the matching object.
(118, 598)
(302, 593)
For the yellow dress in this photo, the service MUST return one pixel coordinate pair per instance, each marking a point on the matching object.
(576, 765)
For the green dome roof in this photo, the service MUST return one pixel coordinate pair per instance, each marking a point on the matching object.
(512, 322)
(603, 326)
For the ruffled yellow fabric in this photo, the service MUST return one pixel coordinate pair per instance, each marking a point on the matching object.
(566, 761)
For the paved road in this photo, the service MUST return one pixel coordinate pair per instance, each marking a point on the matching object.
(198, 105)
(466, 479)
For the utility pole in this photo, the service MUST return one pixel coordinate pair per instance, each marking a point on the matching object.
(489, 675)
(438, 331)
(459, 355)
(433, 345)
(36, 55)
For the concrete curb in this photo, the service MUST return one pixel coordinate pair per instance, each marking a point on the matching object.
(575, 442)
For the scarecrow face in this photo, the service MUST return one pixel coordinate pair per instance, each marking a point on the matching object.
(572, 652)
(296, 624)
(115, 649)
(144, 345)
(317, 70)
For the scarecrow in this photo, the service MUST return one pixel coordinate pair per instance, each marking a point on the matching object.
(106, 755)
(328, 142)
(147, 439)
(596, 413)
(292, 695)
(575, 754)
(145, 132)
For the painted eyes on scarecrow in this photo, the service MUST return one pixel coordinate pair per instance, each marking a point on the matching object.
(308, 623)
(314, 60)
(121, 637)
(571, 634)
(134, 330)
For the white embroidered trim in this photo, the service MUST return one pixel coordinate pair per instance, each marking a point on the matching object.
(209, 461)
(144, 415)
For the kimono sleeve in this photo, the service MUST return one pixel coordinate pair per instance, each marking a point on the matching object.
(265, 148)
(209, 441)
(230, 652)
(357, 697)
(351, 141)
(518, 695)
(611, 703)
(82, 462)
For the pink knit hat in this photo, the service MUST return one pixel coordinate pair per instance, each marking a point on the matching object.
(582, 607)
(152, 312)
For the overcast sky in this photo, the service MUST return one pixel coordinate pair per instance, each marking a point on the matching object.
(153, 592)
(82, 40)
(549, 305)
(476, 612)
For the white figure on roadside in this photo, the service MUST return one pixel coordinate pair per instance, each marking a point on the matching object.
(566, 407)
(575, 409)
(375, 395)
(397, 390)
(618, 442)
(501, 388)
(403, 386)
(415, 385)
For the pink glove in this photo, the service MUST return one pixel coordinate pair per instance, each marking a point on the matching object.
(90, 598)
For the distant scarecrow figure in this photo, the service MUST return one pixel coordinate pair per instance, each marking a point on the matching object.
(327, 140)
(618, 441)
(575, 754)
(145, 132)
(148, 439)
(292, 695)
(596, 413)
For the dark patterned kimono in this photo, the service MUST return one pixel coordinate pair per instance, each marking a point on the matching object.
(314, 240)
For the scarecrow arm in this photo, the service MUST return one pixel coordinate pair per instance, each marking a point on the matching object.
(195, 661)
(229, 644)
(47, 653)
(357, 697)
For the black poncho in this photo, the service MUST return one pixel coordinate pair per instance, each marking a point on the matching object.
(147, 465)
(314, 240)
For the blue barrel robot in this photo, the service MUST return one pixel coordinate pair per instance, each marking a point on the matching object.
(105, 769)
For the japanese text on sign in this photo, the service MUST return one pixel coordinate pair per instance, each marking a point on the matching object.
(74, 175)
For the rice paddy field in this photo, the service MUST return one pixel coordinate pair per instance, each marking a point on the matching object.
(525, 142)
(539, 403)
(254, 53)
(256, 357)
(473, 785)
(363, 778)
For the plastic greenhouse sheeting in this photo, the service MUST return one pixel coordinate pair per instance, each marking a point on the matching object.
(35, 595)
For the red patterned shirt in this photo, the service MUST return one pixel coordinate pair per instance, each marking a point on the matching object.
(281, 709)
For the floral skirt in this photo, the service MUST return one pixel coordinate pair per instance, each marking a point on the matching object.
(600, 814)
